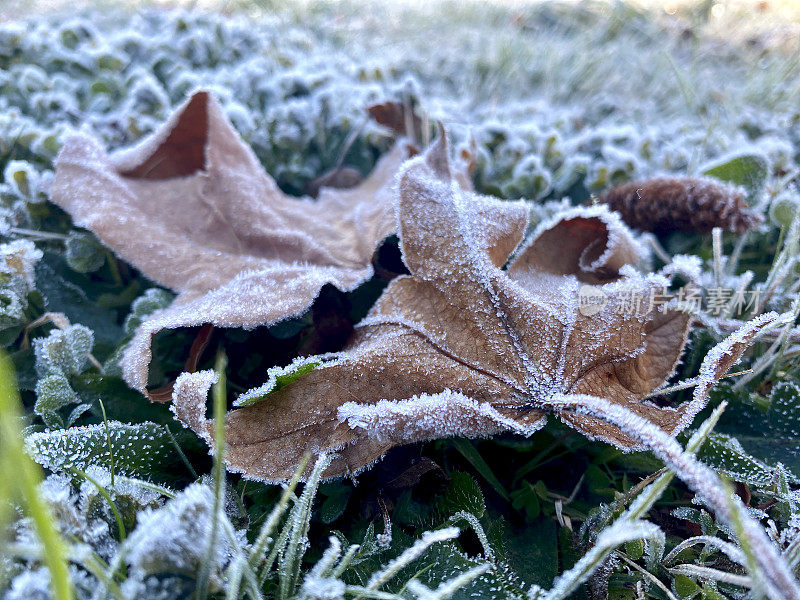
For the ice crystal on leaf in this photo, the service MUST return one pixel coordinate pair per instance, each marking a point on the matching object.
(462, 347)
(279, 377)
(64, 351)
(23, 180)
(152, 300)
(83, 253)
(138, 448)
(17, 261)
(193, 209)
(70, 509)
(174, 539)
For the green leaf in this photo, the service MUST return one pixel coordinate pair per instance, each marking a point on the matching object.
(444, 561)
(634, 549)
(748, 169)
(726, 454)
(598, 481)
(121, 402)
(84, 253)
(764, 433)
(710, 592)
(52, 393)
(784, 409)
(64, 351)
(783, 209)
(462, 494)
(410, 511)
(24, 364)
(139, 450)
(77, 412)
(772, 449)
(533, 552)
(22, 177)
(61, 295)
(152, 300)
(278, 377)
(685, 587)
(337, 494)
(527, 498)
(12, 315)
(122, 298)
(371, 555)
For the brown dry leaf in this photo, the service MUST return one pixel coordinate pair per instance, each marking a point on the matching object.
(463, 348)
(591, 245)
(193, 209)
(397, 116)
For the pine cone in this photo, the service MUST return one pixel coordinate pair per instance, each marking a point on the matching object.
(694, 205)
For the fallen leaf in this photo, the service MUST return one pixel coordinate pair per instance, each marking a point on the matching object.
(413, 474)
(592, 245)
(397, 116)
(462, 347)
(193, 209)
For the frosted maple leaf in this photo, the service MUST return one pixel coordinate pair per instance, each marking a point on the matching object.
(192, 208)
(464, 347)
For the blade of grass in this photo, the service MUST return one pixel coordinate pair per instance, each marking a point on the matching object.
(569, 581)
(180, 452)
(220, 405)
(779, 583)
(262, 541)
(108, 442)
(17, 467)
(102, 491)
(298, 523)
(468, 451)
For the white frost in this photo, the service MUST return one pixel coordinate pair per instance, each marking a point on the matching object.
(445, 414)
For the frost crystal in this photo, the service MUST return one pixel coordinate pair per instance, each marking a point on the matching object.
(124, 490)
(322, 588)
(23, 179)
(687, 265)
(64, 351)
(53, 392)
(277, 377)
(189, 400)
(30, 585)
(17, 261)
(72, 518)
(430, 416)
(174, 539)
